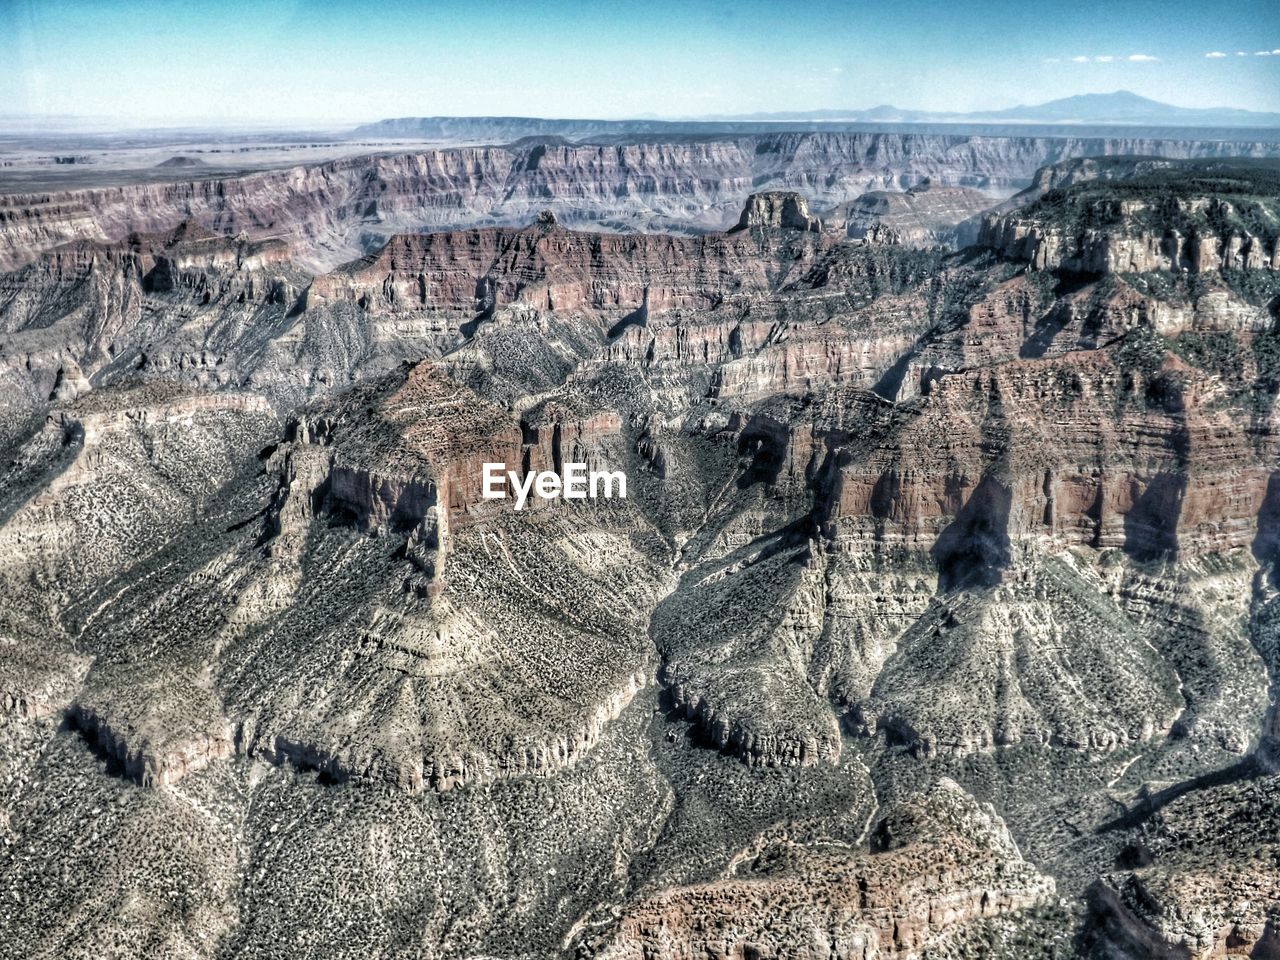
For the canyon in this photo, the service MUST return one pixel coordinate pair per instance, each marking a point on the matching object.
(335, 211)
(938, 619)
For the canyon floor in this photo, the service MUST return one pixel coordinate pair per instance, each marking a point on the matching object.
(941, 618)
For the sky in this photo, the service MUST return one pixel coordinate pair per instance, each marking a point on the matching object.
(139, 62)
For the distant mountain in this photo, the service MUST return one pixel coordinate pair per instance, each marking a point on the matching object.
(1125, 107)
(885, 113)
(1121, 107)
(1086, 115)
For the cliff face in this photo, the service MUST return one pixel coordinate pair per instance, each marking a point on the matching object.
(223, 312)
(1099, 251)
(1199, 490)
(332, 212)
(550, 268)
(1126, 217)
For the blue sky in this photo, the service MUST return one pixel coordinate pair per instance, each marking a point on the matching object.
(306, 61)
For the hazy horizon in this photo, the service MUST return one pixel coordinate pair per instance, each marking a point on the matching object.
(89, 124)
(299, 62)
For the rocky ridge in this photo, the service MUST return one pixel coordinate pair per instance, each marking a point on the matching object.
(335, 211)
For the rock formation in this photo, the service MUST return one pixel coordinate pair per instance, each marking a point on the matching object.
(778, 211)
(925, 215)
(938, 859)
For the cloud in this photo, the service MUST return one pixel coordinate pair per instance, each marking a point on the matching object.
(1132, 58)
(1216, 55)
(1263, 53)
(1275, 53)
(837, 69)
(1052, 60)
(1241, 53)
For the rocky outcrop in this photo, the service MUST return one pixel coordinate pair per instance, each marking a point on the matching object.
(150, 764)
(765, 364)
(448, 766)
(414, 473)
(557, 433)
(430, 452)
(778, 211)
(158, 729)
(938, 859)
(188, 257)
(89, 305)
(395, 467)
(757, 745)
(926, 215)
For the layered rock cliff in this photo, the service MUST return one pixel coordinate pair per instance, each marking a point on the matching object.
(334, 211)
(1137, 220)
